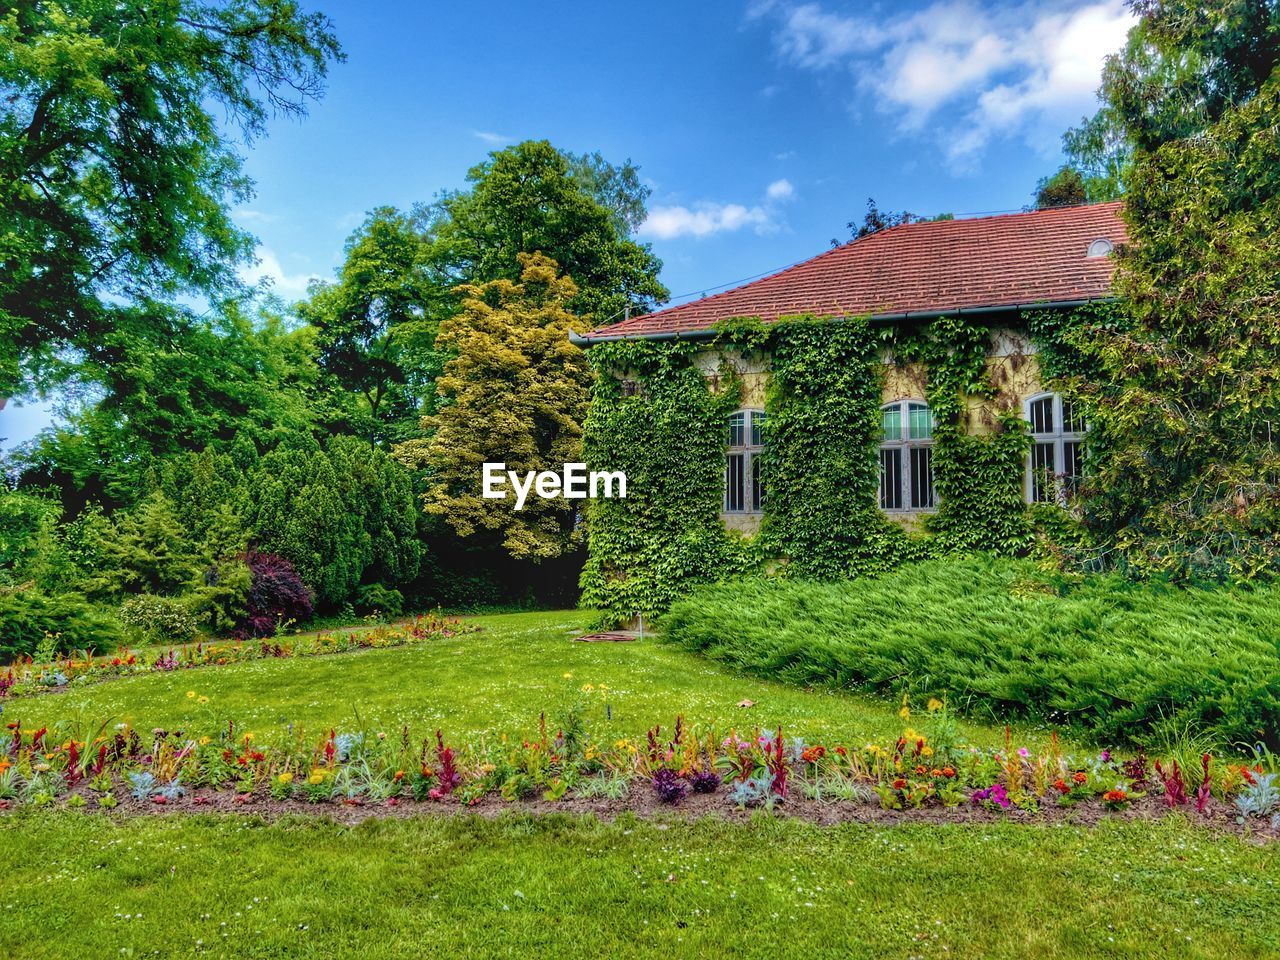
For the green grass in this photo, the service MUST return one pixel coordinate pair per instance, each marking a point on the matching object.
(498, 680)
(1116, 660)
(89, 887)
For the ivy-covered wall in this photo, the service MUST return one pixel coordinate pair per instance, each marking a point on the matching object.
(660, 410)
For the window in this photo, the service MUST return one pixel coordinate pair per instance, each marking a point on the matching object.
(1055, 464)
(906, 456)
(743, 489)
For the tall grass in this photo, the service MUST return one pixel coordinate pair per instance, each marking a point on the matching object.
(1115, 660)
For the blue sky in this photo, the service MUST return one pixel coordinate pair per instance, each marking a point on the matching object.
(762, 126)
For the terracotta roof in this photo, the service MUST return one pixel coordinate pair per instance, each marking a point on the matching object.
(1016, 259)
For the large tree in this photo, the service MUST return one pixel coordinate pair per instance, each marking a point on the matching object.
(119, 122)
(1186, 409)
(376, 326)
(533, 198)
(516, 392)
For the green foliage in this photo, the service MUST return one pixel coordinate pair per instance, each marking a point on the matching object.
(376, 326)
(158, 619)
(116, 169)
(1122, 662)
(821, 468)
(375, 598)
(28, 618)
(147, 550)
(1065, 188)
(516, 392)
(337, 513)
(1183, 394)
(532, 198)
(668, 436)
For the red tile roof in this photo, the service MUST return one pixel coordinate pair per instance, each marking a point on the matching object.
(1016, 259)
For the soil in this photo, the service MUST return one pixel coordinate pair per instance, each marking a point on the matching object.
(644, 804)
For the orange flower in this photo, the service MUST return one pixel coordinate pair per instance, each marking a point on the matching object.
(948, 772)
(399, 775)
(1080, 777)
(1061, 786)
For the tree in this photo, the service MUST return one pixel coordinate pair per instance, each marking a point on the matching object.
(1066, 188)
(211, 382)
(1187, 405)
(532, 198)
(147, 551)
(517, 392)
(116, 179)
(376, 326)
(876, 220)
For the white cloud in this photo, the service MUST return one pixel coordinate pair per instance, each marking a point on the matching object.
(1026, 70)
(709, 217)
(780, 190)
(290, 286)
(491, 138)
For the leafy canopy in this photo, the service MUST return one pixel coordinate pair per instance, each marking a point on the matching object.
(116, 179)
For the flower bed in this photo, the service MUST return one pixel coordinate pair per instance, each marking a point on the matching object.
(922, 775)
(28, 677)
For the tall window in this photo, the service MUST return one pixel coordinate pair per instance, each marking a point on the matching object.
(1054, 466)
(906, 456)
(743, 490)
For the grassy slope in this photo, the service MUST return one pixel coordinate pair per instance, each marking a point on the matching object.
(87, 887)
(1115, 657)
(498, 680)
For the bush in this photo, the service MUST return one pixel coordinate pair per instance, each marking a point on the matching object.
(158, 619)
(276, 594)
(27, 616)
(1115, 660)
(375, 598)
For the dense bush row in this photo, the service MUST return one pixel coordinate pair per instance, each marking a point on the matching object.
(1114, 659)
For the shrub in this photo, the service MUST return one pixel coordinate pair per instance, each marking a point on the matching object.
(276, 594)
(158, 619)
(1115, 659)
(375, 598)
(27, 616)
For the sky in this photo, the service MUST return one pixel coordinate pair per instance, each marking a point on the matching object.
(761, 126)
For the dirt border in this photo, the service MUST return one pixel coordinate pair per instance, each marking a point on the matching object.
(645, 805)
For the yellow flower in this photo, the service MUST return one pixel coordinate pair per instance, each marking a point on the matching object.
(934, 704)
(285, 777)
(587, 688)
(204, 741)
(603, 687)
(317, 776)
(905, 713)
(568, 676)
(202, 700)
(910, 734)
(191, 694)
(926, 751)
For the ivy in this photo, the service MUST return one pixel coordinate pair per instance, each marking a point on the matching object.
(655, 417)
(977, 477)
(821, 465)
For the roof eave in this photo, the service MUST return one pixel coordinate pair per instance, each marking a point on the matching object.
(587, 340)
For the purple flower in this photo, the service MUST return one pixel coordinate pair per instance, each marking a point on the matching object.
(1024, 752)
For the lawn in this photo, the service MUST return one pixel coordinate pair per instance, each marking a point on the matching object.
(87, 886)
(498, 680)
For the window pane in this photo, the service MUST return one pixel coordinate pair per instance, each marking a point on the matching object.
(1042, 415)
(921, 478)
(757, 488)
(737, 430)
(891, 478)
(1072, 466)
(1071, 422)
(734, 499)
(1042, 473)
(920, 421)
(891, 422)
(757, 432)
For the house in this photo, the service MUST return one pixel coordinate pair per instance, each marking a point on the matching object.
(992, 270)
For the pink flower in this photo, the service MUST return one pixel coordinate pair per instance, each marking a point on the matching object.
(1024, 752)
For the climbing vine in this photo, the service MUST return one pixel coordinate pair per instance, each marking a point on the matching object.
(821, 469)
(977, 476)
(655, 416)
(660, 418)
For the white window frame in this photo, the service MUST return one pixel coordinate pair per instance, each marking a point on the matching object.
(905, 444)
(750, 451)
(1057, 438)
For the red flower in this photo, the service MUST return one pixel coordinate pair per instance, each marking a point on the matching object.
(1080, 777)
(900, 784)
(1061, 786)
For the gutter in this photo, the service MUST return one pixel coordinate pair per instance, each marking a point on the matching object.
(581, 340)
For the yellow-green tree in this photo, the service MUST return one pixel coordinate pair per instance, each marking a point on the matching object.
(516, 392)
